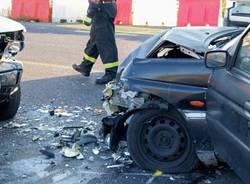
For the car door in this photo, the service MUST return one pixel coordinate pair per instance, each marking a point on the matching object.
(228, 109)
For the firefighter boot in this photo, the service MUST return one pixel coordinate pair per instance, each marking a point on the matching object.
(109, 76)
(84, 68)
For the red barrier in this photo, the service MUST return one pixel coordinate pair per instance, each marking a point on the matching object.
(198, 13)
(31, 10)
(124, 12)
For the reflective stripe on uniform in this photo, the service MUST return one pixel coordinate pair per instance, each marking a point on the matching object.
(88, 20)
(111, 65)
(89, 58)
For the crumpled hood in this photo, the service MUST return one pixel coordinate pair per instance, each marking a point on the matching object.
(8, 25)
(142, 50)
(194, 38)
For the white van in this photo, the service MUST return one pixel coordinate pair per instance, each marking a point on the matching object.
(238, 14)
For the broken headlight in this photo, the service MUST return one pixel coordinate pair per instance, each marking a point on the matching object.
(12, 49)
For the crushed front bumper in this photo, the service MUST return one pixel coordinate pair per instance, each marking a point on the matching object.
(118, 99)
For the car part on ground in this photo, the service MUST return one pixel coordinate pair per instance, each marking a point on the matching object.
(166, 74)
(11, 42)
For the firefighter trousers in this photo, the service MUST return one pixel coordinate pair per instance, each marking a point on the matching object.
(102, 42)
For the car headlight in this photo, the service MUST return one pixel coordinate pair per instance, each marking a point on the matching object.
(12, 49)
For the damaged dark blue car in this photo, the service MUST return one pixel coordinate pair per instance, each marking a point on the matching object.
(158, 102)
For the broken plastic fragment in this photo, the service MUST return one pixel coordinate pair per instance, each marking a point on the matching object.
(158, 173)
(36, 138)
(88, 109)
(115, 166)
(98, 111)
(171, 178)
(116, 156)
(80, 157)
(91, 159)
(18, 125)
(96, 151)
(71, 152)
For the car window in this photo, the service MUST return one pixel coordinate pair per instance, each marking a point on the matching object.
(243, 58)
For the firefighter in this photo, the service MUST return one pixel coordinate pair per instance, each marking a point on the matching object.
(101, 15)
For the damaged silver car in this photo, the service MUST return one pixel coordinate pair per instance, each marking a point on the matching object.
(158, 102)
(11, 42)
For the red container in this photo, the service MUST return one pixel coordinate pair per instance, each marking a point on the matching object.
(38, 10)
(198, 13)
(124, 12)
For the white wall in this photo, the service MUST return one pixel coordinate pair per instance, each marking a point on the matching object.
(155, 13)
(70, 10)
(5, 7)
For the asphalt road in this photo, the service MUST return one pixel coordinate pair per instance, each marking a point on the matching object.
(50, 82)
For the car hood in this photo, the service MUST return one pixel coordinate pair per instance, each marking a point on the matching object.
(8, 25)
(196, 39)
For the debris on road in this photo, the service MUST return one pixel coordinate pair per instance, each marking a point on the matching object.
(96, 151)
(115, 166)
(36, 138)
(80, 157)
(158, 173)
(88, 139)
(71, 152)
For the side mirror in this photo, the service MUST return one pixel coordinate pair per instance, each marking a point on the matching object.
(216, 59)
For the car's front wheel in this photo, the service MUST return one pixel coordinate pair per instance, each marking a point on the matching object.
(8, 109)
(160, 141)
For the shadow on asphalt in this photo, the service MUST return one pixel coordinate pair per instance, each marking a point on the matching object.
(71, 90)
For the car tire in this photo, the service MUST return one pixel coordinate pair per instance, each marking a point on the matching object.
(160, 140)
(8, 109)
